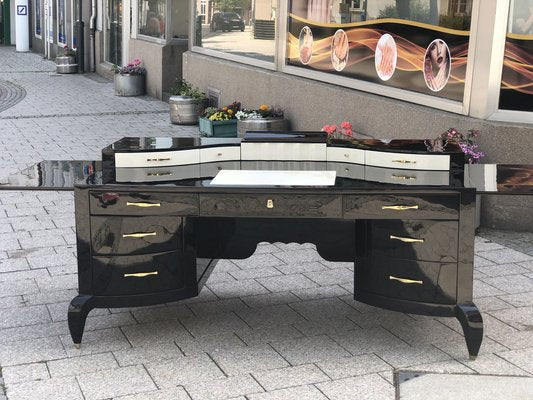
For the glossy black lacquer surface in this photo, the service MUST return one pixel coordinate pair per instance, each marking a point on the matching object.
(412, 245)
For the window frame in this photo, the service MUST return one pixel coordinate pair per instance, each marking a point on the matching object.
(40, 2)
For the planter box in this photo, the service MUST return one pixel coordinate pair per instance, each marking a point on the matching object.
(262, 124)
(218, 128)
(129, 85)
(185, 110)
(66, 65)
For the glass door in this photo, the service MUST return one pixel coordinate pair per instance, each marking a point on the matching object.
(113, 32)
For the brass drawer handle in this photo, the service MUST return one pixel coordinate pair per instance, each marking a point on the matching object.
(403, 177)
(141, 274)
(400, 208)
(158, 159)
(270, 203)
(138, 234)
(404, 161)
(158, 173)
(406, 239)
(141, 204)
(404, 280)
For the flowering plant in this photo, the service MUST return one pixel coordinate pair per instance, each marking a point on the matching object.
(133, 68)
(263, 111)
(466, 141)
(337, 132)
(68, 52)
(183, 88)
(222, 114)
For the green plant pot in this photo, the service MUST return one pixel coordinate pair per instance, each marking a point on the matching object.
(218, 128)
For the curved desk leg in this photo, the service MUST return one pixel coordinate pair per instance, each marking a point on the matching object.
(79, 308)
(472, 323)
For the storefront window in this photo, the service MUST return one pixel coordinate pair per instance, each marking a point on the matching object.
(74, 19)
(61, 23)
(152, 18)
(416, 45)
(180, 19)
(113, 32)
(239, 27)
(38, 19)
(517, 78)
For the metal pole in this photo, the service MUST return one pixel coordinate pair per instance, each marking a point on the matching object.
(80, 49)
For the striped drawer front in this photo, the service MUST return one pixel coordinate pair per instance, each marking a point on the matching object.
(215, 154)
(283, 151)
(435, 162)
(157, 158)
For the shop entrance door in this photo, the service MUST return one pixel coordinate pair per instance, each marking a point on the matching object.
(5, 26)
(113, 32)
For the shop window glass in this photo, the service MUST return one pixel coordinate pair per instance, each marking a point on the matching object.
(38, 18)
(416, 45)
(61, 23)
(113, 32)
(180, 19)
(240, 27)
(152, 18)
(517, 78)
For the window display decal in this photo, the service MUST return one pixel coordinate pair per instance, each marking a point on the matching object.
(386, 57)
(516, 91)
(306, 45)
(389, 51)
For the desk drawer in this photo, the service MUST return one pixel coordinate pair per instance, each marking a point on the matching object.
(426, 282)
(415, 239)
(343, 154)
(123, 275)
(135, 235)
(157, 158)
(136, 203)
(216, 154)
(246, 205)
(159, 174)
(435, 162)
(385, 206)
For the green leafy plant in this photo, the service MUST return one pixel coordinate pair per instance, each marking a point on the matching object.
(183, 88)
(222, 114)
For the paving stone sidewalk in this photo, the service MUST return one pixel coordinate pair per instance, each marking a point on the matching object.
(279, 325)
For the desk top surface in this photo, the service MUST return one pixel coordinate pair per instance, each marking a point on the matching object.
(486, 178)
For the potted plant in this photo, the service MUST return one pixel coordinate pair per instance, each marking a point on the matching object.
(187, 103)
(220, 122)
(130, 80)
(265, 118)
(66, 62)
(339, 132)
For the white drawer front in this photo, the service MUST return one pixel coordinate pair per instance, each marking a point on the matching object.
(339, 154)
(403, 177)
(214, 154)
(435, 162)
(157, 158)
(284, 151)
(157, 174)
(345, 170)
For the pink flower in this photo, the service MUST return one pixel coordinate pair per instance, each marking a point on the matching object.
(346, 125)
(348, 132)
(136, 62)
(330, 129)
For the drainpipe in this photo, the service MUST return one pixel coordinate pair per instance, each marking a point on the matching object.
(92, 44)
(81, 39)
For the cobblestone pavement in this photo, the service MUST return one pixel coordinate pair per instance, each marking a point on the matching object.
(279, 325)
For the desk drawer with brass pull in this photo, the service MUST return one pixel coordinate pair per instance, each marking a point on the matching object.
(422, 240)
(157, 158)
(221, 153)
(124, 275)
(431, 162)
(262, 205)
(427, 282)
(139, 203)
(136, 235)
(385, 206)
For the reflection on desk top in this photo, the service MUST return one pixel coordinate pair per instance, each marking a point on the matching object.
(64, 175)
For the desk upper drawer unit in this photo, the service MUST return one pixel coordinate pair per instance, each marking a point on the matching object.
(157, 158)
(215, 154)
(385, 206)
(436, 162)
(428, 282)
(415, 239)
(341, 154)
(247, 205)
(135, 235)
(147, 203)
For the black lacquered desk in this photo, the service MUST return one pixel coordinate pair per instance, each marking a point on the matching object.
(151, 223)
